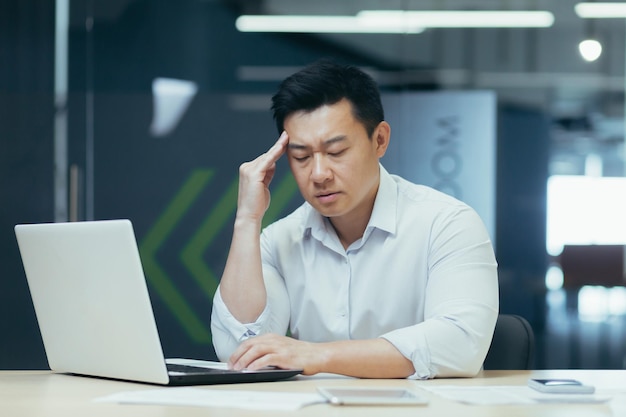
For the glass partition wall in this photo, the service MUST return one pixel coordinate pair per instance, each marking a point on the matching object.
(156, 103)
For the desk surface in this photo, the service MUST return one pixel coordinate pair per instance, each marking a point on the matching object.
(42, 393)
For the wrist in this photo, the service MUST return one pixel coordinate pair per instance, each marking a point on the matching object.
(243, 222)
(324, 362)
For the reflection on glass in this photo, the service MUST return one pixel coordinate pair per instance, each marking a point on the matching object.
(584, 210)
(554, 278)
(597, 303)
(170, 98)
(590, 49)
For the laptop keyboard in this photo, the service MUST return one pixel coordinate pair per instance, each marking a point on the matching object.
(188, 369)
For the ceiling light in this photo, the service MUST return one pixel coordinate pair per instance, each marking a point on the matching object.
(463, 19)
(393, 21)
(320, 24)
(600, 10)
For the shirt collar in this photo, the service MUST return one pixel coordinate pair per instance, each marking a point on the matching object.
(384, 214)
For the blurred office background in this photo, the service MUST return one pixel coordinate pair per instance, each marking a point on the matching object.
(144, 109)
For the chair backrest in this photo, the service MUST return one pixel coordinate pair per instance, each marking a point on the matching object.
(513, 344)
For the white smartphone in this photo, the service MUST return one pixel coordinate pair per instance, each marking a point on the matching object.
(372, 396)
(560, 386)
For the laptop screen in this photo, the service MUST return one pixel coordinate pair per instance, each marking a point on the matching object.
(91, 299)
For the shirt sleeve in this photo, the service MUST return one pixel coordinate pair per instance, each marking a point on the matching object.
(227, 332)
(461, 304)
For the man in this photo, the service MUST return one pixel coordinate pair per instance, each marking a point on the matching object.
(372, 276)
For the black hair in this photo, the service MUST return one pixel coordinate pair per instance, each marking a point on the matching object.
(325, 82)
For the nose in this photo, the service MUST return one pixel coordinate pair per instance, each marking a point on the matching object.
(321, 171)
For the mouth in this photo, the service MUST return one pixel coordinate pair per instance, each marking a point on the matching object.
(327, 197)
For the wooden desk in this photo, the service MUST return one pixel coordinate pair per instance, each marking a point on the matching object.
(42, 393)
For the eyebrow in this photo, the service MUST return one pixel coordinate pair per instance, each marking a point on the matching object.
(327, 143)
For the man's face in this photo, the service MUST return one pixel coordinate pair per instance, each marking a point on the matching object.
(334, 162)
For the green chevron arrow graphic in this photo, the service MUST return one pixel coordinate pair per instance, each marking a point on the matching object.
(192, 253)
(161, 230)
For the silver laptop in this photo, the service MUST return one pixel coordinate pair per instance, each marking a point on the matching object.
(93, 307)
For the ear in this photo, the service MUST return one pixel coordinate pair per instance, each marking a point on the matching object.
(381, 138)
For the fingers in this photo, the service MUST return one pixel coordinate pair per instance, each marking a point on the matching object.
(247, 353)
(280, 145)
(254, 180)
(265, 164)
(274, 153)
(262, 351)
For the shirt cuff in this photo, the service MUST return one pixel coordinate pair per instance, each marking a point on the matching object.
(238, 331)
(412, 344)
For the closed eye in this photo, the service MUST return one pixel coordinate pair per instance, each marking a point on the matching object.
(338, 153)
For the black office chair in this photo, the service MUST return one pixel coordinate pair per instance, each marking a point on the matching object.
(513, 344)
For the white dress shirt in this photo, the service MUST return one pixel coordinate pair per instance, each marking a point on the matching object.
(423, 276)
